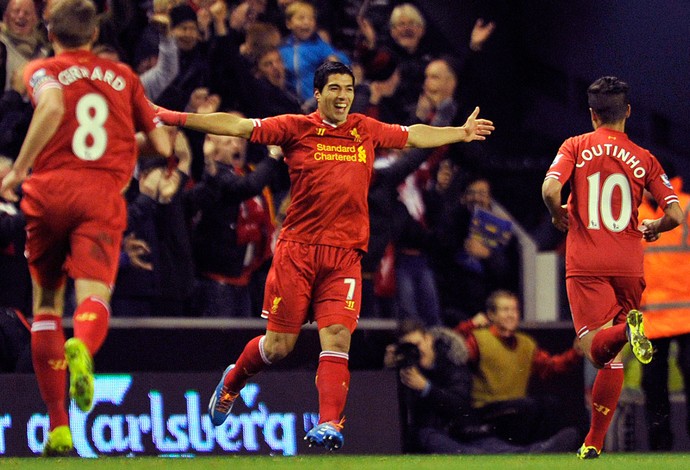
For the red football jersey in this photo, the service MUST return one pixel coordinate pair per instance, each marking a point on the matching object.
(330, 169)
(608, 174)
(104, 106)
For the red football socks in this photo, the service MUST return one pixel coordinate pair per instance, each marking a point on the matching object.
(608, 342)
(251, 362)
(332, 383)
(91, 323)
(605, 393)
(50, 367)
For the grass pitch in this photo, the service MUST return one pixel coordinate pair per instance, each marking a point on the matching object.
(610, 461)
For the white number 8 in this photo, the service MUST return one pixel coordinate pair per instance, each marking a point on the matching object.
(92, 112)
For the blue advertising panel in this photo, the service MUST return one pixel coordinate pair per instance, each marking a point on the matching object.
(165, 414)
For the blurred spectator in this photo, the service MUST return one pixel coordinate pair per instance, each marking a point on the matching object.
(504, 360)
(408, 45)
(432, 365)
(369, 92)
(478, 253)
(304, 50)
(20, 41)
(260, 37)
(194, 67)
(417, 292)
(15, 282)
(250, 76)
(234, 227)
(404, 42)
(157, 71)
(15, 115)
(439, 88)
(272, 96)
(275, 13)
(387, 216)
(156, 274)
(15, 342)
(341, 18)
(20, 37)
(666, 297)
(123, 26)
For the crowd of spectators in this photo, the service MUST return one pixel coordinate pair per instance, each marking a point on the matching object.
(199, 238)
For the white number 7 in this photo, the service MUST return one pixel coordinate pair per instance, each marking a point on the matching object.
(351, 289)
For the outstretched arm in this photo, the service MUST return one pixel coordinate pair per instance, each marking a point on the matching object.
(424, 136)
(212, 123)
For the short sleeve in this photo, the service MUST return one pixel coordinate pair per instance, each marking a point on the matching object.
(562, 166)
(660, 186)
(387, 135)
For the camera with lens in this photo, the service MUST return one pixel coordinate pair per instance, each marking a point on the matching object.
(406, 355)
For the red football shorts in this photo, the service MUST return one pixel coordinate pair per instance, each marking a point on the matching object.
(312, 283)
(72, 228)
(595, 300)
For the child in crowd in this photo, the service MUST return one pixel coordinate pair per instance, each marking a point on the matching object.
(304, 50)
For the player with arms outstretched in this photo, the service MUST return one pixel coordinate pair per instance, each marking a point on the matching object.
(316, 273)
(607, 173)
(81, 146)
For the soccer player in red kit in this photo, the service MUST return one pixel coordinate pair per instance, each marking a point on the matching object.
(316, 273)
(604, 257)
(81, 146)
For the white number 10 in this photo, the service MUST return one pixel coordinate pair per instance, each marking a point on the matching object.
(599, 203)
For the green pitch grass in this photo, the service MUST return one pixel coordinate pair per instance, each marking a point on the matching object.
(611, 461)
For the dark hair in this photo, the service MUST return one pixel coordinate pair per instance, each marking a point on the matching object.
(327, 69)
(471, 177)
(608, 98)
(73, 22)
(181, 14)
(408, 326)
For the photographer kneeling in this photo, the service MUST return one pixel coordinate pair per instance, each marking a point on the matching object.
(437, 385)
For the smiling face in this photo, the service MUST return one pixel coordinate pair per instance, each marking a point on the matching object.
(186, 35)
(302, 20)
(335, 98)
(21, 17)
(505, 315)
(407, 31)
